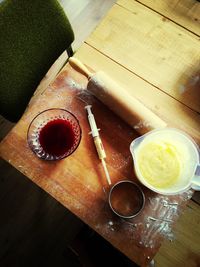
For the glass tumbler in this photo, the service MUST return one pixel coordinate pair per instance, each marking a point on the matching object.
(54, 134)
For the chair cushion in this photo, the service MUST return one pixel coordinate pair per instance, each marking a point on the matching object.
(33, 35)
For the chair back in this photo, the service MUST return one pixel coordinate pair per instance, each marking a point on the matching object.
(33, 35)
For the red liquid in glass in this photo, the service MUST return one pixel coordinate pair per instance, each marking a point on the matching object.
(57, 137)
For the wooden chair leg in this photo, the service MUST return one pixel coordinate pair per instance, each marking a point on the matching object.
(70, 51)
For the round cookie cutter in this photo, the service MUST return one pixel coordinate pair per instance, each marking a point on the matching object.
(126, 199)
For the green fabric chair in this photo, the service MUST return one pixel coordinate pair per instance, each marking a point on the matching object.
(33, 35)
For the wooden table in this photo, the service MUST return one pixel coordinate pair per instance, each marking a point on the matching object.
(152, 49)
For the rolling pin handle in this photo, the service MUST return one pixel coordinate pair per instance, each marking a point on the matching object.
(77, 64)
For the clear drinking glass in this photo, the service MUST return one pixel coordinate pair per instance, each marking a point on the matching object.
(54, 134)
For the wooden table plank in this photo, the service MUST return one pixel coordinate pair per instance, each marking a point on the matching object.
(84, 15)
(185, 12)
(154, 48)
(173, 112)
(185, 249)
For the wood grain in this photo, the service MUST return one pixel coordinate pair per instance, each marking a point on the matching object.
(84, 16)
(152, 47)
(185, 12)
(185, 249)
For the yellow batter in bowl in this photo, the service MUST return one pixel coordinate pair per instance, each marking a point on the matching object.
(166, 161)
(159, 163)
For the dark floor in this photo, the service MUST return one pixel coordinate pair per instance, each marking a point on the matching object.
(93, 251)
(33, 226)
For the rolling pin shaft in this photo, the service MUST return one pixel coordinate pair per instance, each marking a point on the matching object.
(117, 99)
(123, 104)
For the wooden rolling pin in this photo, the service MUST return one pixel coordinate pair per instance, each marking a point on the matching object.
(117, 99)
